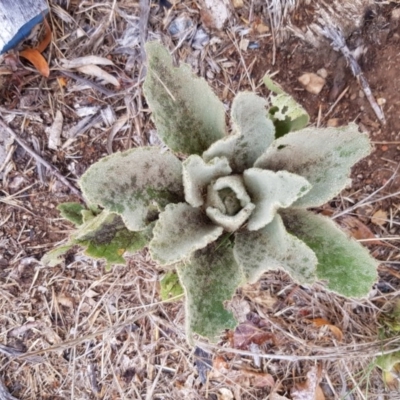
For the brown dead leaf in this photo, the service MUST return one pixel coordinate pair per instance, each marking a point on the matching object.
(65, 301)
(379, 218)
(243, 377)
(310, 389)
(41, 47)
(35, 57)
(333, 328)
(246, 333)
(37, 60)
(355, 228)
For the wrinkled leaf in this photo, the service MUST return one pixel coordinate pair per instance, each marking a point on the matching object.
(285, 112)
(170, 286)
(72, 212)
(272, 248)
(189, 117)
(209, 278)
(234, 209)
(197, 175)
(134, 184)
(179, 231)
(344, 263)
(322, 156)
(254, 132)
(37, 60)
(270, 191)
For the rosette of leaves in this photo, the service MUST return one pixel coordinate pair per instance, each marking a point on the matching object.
(237, 205)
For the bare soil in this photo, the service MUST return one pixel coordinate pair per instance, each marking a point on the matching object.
(75, 332)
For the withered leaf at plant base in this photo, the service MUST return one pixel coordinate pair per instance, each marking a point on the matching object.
(333, 328)
(359, 231)
(250, 332)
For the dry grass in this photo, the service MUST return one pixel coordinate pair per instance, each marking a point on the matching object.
(74, 332)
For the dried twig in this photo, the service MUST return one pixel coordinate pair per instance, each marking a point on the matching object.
(40, 160)
(339, 44)
(143, 21)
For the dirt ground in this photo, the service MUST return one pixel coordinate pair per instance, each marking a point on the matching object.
(76, 332)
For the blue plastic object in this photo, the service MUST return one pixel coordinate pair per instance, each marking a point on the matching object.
(23, 32)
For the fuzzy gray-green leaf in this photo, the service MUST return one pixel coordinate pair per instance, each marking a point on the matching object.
(209, 279)
(343, 262)
(253, 133)
(270, 191)
(133, 183)
(188, 115)
(107, 237)
(179, 231)
(287, 114)
(197, 174)
(323, 156)
(272, 248)
(72, 212)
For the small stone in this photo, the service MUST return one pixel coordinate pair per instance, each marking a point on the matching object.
(384, 148)
(361, 94)
(353, 96)
(238, 3)
(323, 73)
(313, 83)
(381, 101)
(244, 44)
(333, 122)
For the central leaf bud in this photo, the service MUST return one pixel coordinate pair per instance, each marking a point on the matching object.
(228, 203)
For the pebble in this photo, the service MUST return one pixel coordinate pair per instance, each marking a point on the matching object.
(313, 83)
(323, 73)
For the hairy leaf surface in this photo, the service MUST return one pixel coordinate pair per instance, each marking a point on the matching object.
(180, 230)
(72, 212)
(272, 248)
(209, 278)
(270, 191)
(197, 174)
(323, 156)
(253, 133)
(343, 262)
(106, 236)
(133, 183)
(188, 115)
(287, 114)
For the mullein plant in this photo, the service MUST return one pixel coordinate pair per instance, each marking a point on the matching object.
(235, 207)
